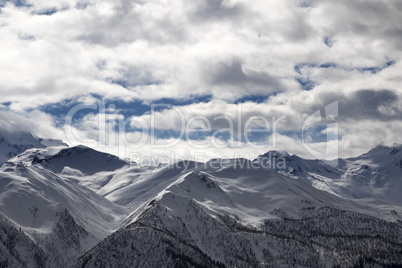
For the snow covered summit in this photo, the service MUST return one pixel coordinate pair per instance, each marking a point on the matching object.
(80, 159)
(13, 143)
(77, 207)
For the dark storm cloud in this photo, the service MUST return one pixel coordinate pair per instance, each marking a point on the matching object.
(383, 105)
(233, 74)
(366, 19)
(216, 10)
(368, 104)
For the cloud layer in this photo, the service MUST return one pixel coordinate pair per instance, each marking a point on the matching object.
(297, 56)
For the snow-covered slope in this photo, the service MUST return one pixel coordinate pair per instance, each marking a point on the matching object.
(63, 202)
(60, 216)
(71, 160)
(17, 249)
(244, 217)
(64, 218)
(376, 174)
(314, 171)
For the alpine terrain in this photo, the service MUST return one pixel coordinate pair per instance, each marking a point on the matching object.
(66, 206)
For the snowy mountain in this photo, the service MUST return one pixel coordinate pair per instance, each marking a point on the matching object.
(63, 218)
(375, 174)
(79, 159)
(74, 206)
(14, 143)
(17, 249)
(238, 217)
(378, 174)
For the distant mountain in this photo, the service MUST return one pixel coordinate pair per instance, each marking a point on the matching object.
(77, 207)
(60, 218)
(14, 143)
(378, 174)
(375, 174)
(80, 159)
(295, 166)
(244, 217)
(52, 142)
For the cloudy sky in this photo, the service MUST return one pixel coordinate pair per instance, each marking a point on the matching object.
(202, 77)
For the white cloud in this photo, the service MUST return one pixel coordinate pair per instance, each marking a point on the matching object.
(157, 49)
(38, 123)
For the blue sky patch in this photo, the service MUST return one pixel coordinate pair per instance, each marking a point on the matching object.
(376, 69)
(329, 41)
(306, 83)
(127, 109)
(47, 12)
(17, 3)
(7, 104)
(253, 98)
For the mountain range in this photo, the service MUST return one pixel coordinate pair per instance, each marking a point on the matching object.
(66, 206)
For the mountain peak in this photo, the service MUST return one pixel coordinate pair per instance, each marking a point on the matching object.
(13, 143)
(52, 142)
(84, 159)
(275, 154)
(382, 148)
